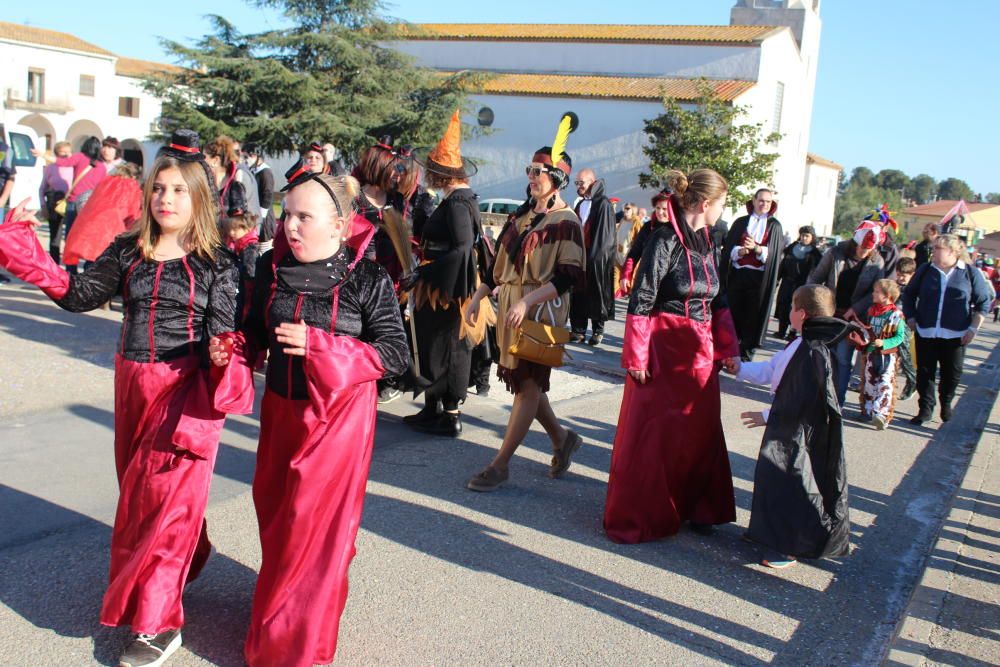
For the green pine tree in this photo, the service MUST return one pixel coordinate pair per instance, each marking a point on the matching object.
(709, 135)
(328, 77)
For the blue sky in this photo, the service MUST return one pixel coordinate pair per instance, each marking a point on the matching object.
(902, 84)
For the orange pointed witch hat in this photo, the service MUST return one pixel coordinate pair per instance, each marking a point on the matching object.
(446, 157)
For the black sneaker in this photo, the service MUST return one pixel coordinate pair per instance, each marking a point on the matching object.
(920, 418)
(595, 340)
(388, 395)
(576, 338)
(151, 650)
(946, 412)
(482, 390)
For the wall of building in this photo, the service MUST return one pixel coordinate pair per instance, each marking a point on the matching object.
(663, 60)
(608, 140)
(65, 113)
(818, 198)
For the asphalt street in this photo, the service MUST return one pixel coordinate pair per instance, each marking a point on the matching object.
(523, 576)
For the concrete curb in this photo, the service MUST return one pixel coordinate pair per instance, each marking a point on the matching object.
(912, 641)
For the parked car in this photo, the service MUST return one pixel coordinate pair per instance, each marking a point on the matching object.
(495, 211)
(21, 140)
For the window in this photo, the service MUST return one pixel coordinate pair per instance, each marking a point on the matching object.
(36, 86)
(128, 106)
(779, 99)
(484, 207)
(87, 85)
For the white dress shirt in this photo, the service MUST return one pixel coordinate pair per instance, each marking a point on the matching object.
(769, 372)
(756, 228)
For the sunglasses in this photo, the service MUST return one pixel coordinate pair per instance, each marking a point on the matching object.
(534, 171)
(578, 183)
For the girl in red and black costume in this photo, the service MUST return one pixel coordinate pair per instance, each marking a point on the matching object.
(669, 463)
(331, 322)
(179, 287)
(660, 217)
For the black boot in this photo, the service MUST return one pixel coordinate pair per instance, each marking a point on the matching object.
(427, 414)
(945, 410)
(447, 424)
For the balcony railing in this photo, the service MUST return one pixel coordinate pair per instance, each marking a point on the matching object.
(14, 99)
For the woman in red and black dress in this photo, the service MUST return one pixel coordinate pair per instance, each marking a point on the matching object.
(669, 463)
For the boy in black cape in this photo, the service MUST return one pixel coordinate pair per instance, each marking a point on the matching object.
(800, 482)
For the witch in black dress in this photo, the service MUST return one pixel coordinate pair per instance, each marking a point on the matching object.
(442, 286)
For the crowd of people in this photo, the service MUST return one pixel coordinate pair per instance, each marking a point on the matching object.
(384, 281)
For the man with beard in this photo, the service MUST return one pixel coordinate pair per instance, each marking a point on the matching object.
(596, 301)
(749, 269)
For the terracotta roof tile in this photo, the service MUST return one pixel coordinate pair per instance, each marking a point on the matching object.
(610, 87)
(717, 34)
(823, 162)
(16, 32)
(142, 68)
(942, 206)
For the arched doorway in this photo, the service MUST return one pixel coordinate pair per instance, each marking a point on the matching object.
(132, 152)
(80, 130)
(42, 127)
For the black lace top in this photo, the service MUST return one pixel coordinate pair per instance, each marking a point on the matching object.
(172, 308)
(367, 310)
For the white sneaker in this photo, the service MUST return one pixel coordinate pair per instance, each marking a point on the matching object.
(879, 422)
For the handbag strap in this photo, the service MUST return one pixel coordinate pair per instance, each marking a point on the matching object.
(79, 178)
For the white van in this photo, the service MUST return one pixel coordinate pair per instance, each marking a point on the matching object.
(28, 178)
(502, 206)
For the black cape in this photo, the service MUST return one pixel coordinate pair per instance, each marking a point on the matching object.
(800, 482)
(600, 242)
(751, 326)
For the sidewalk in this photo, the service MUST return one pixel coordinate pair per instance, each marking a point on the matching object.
(954, 615)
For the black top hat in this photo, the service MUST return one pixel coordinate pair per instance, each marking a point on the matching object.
(184, 145)
(314, 146)
(297, 174)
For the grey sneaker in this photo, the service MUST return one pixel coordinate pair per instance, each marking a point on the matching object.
(151, 650)
(879, 422)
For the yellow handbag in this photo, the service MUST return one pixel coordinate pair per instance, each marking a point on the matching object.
(60, 206)
(540, 343)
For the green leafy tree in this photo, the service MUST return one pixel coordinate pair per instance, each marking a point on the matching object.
(892, 179)
(922, 189)
(709, 135)
(326, 77)
(955, 188)
(993, 198)
(862, 176)
(857, 201)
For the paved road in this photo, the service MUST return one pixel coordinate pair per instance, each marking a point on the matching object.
(445, 576)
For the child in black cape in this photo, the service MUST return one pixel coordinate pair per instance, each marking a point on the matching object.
(800, 482)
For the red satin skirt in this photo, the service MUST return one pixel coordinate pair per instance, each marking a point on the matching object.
(163, 494)
(309, 491)
(669, 463)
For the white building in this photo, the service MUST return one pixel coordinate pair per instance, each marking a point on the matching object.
(614, 78)
(67, 89)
